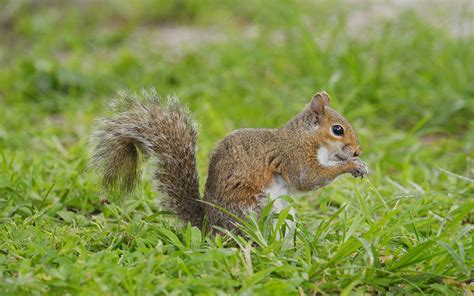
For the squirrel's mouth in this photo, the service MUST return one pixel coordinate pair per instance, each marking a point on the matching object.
(341, 157)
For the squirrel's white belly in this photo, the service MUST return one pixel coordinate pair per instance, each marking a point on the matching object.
(277, 189)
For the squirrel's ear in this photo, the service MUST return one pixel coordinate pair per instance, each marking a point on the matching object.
(319, 101)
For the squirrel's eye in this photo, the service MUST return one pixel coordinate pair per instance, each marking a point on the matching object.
(337, 130)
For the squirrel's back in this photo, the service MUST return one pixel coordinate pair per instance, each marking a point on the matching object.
(241, 165)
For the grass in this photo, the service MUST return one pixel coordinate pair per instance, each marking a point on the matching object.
(404, 83)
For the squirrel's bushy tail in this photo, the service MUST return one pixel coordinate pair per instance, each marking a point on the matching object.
(163, 130)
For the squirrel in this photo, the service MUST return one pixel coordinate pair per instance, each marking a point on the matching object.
(307, 153)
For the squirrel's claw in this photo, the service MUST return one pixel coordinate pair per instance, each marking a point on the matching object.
(360, 169)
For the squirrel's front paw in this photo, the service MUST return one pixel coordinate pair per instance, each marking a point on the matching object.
(360, 168)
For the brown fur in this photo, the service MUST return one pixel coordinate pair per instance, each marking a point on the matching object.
(163, 130)
(241, 167)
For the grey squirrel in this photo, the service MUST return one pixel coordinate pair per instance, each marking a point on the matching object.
(307, 153)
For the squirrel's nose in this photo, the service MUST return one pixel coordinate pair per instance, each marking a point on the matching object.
(357, 152)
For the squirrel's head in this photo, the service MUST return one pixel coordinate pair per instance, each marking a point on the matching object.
(329, 132)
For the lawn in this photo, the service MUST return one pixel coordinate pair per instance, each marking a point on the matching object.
(401, 73)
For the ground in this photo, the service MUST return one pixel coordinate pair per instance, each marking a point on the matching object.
(400, 71)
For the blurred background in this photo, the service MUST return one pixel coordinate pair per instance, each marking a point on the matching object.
(401, 71)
